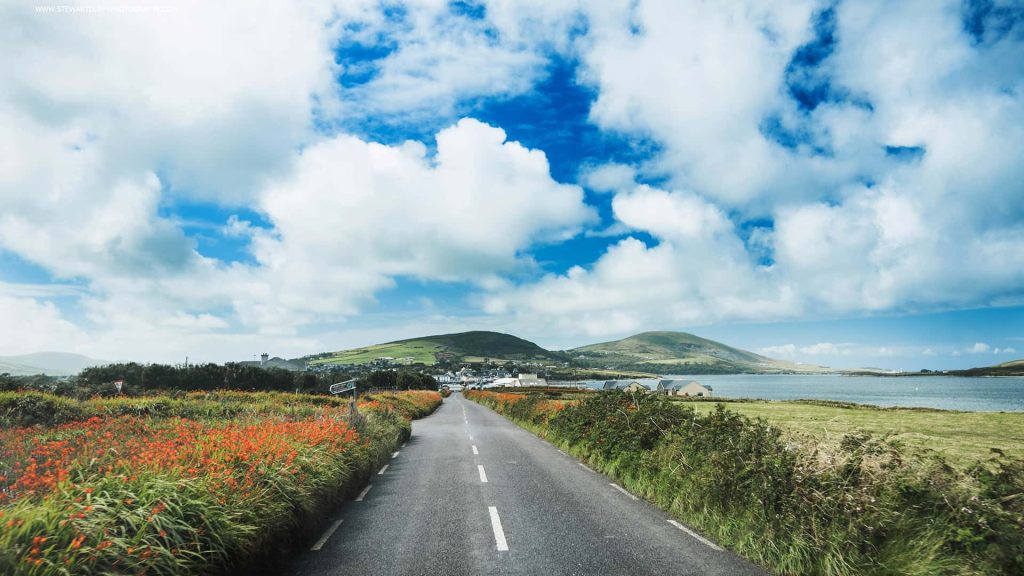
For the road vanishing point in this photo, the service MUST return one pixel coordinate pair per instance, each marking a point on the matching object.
(472, 493)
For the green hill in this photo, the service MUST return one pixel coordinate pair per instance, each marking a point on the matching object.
(459, 347)
(1011, 368)
(678, 352)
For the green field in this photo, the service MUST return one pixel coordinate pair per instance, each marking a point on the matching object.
(964, 437)
(421, 352)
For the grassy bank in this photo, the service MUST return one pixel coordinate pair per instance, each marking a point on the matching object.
(193, 484)
(863, 504)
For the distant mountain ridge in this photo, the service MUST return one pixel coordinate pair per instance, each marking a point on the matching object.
(679, 352)
(653, 352)
(474, 346)
(49, 363)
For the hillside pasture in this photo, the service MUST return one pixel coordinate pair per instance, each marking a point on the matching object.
(421, 352)
(963, 438)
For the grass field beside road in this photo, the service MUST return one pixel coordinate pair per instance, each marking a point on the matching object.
(962, 437)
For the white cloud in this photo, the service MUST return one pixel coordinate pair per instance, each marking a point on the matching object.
(783, 351)
(355, 215)
(438, 60)
(112, 117)
(1004, 351)
(978, 348)
(34, 326)
(942, 231)
(699, 272)
(612, 177)
(821, 349)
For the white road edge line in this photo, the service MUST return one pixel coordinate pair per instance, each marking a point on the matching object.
(483, 475)
(323, 539)
(560, 452)
(363, 493)
(475, 451)
(403, 444)
(587, 467)
(383, 469)
(394, 455)
(702, 539)
(623, 490)
(499, 534)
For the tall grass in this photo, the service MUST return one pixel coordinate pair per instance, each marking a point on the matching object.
(193, 485)
(865, 506)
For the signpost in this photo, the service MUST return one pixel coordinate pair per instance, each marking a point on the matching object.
(342, 388)
(118, 384)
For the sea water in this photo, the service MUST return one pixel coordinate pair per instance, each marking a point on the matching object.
(1004, 394)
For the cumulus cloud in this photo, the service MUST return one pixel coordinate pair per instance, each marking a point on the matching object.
(978, 348)
(819, 161)
(354, 215)
(435, 58)
(34, 326)
(612, 177)
(810, 161)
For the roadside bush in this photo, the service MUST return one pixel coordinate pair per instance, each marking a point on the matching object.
(32, 408)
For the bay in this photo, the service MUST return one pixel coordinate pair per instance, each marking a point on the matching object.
(1003, 394)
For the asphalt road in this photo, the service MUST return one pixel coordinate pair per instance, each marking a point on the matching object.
(539, 512)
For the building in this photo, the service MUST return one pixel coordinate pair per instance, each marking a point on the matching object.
(670, 387)
(694, 388)
(635, 387)
(529, 380)
(682, 388)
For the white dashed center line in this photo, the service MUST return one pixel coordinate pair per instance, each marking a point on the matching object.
(383, 469)
(394, 455)
(499, 534)
(475, 451)
(483, 475)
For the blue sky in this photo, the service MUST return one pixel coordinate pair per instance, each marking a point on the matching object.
(835, 183)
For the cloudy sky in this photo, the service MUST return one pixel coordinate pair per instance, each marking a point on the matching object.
(831, 182)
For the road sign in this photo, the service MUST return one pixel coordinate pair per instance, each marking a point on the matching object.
(343, 387)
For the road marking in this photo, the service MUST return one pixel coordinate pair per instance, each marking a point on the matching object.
(470, 436)
(394, 455)
(383, 469)
(587, 467)
(702, 539)
(483, 475)
(403, 444)
(323, 539)
(623, 490)
(363, 493)
(475, 450)
(499, 534)
(560, 452)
